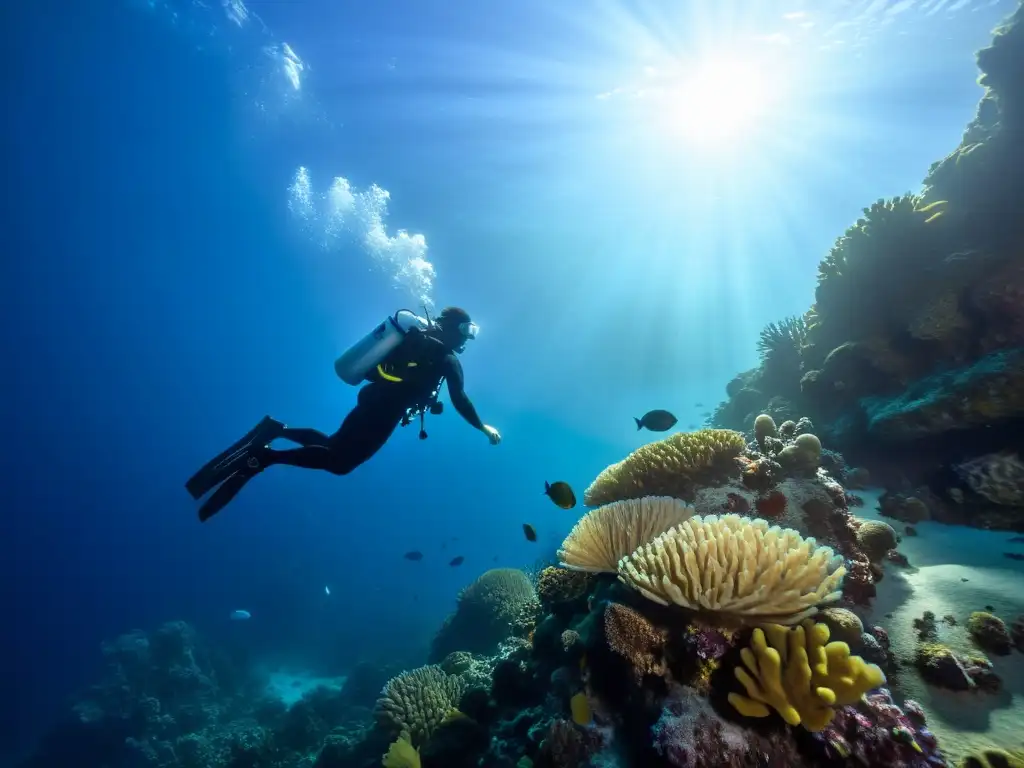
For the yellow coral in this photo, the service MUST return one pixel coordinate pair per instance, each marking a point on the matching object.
(402, 754)
(418, 701)
(801, 675)
(740, 568)
(605, 535)
(668, 467)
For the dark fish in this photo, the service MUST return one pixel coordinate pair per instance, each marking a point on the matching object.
(1016, 539)
(698, 405)
(457, 561)
(414, 555)
(495, 559)
(530, 531)
(560, 493)
(692, 426)
(656, 421)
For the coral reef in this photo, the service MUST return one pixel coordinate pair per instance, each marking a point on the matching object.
(989, 632)
(911, 358)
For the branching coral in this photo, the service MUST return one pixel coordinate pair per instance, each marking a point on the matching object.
(801, 675)
(605, 535)
(669, 467)
(739, 568)
(418, 701)
(633, 637)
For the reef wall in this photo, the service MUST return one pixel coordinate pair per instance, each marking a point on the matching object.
(911, 359)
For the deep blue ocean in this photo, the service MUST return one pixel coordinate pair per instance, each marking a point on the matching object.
(175, 266)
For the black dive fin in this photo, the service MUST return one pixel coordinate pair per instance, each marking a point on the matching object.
(222, 465)
(224, 494)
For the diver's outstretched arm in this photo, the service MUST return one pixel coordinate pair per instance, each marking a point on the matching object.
(460, 400)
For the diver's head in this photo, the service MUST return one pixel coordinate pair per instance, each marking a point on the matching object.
(456, 328)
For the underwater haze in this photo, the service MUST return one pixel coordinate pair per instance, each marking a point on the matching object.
(642, 207)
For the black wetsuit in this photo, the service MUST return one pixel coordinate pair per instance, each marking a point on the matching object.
(380, 407)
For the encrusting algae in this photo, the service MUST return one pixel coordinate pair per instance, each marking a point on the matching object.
(801, 675)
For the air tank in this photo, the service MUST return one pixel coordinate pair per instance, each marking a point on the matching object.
(369, 351)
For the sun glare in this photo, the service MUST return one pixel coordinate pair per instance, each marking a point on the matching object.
(719, 102)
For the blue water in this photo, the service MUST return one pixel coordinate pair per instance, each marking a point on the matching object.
(162, 290)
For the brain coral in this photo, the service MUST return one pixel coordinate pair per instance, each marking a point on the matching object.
(669, 467)
(741, 569)
(418, 701)
(606, 535)
(487, 612)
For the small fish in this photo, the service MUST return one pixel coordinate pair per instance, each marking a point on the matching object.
(457, 561)
(1016, 540)
(580, 708)
(413, 555)
(560, 493)
(691, 426)
(530, 531)
(494, 559)
(698, 405)
(327, 591)
(240, 615)
(656, 421)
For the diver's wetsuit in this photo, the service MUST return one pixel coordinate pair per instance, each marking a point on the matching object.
(379, 409)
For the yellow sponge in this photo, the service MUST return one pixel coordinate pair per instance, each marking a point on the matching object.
(402, 754)
(801, 675)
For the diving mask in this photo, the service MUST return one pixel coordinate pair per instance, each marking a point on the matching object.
(469, 330)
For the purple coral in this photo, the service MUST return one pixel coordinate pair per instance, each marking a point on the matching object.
(878, 732)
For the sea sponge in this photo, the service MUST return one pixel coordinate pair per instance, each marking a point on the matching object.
(607, 534)
(801, 675)
(488, 610)
(740, 568)
(402, 754)
(418, 701)
(633, 637)
(562, 585)
(989, 632)
(669, 467)
(875, 539)
(843, 625)
(993, 758)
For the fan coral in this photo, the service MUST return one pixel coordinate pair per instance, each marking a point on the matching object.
(633, 637)
(739, 568)
(800, 675)
(561, 585)
(416, 702)
(875, 539)
(605, 535)
(669, 467)
(487, 611)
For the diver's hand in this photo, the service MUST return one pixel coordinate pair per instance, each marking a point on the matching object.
(492, 434)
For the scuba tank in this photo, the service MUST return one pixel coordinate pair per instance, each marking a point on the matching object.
(359, 359)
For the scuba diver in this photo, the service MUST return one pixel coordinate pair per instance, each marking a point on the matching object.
(405, 359)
